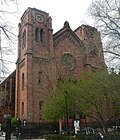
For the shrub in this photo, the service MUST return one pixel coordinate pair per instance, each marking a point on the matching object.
(14, 121)
(58, 137)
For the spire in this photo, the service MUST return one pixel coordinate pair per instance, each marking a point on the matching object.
(66, 24)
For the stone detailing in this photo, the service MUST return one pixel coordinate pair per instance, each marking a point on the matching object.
(44, 58)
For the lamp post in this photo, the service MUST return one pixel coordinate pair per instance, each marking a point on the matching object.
(18, 129)
(8, 126)
(66, 108)
(29, 116)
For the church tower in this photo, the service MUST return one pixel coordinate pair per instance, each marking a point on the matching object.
(94, 57)
(33, 67)
(44, 59)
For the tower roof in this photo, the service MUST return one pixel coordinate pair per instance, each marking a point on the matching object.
(33, 9)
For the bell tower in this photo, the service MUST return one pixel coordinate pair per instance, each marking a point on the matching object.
(35, 47)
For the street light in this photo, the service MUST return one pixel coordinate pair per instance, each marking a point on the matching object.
(18, 128)
(29, 117)
(8, 126)
(66, 108)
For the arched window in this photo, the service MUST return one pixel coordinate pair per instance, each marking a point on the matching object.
(41, 35)
(37, 34)
(22, 108)
(23, 78)
(24, 39)
(39, 76)
(40, 105)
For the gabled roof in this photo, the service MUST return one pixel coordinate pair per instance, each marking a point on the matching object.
(85, 26)
(8, 78)
(65, 32)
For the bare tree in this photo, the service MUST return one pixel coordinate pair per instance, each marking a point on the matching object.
(8, 38)
(106, 14)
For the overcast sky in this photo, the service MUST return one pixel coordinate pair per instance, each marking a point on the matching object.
(73, 11)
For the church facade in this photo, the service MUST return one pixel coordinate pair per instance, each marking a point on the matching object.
(44, 58)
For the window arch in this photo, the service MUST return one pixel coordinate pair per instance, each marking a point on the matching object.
(23, 80)
(24, 39)
(40, 105)
(22, 108)
(41, 35)
(39, 77)
(37, 34)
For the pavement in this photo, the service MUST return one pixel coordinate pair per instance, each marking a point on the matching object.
(14, 138)
(2, 137)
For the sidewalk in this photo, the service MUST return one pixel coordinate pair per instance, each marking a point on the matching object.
(33, 139)
(2, 137)
(14, 138)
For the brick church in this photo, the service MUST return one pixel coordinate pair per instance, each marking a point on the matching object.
(43, 58)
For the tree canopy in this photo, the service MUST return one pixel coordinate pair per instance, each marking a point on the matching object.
(96, 95)
(8, 38)
(106, 14)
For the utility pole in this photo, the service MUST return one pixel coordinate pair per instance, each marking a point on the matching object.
(66, 108)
